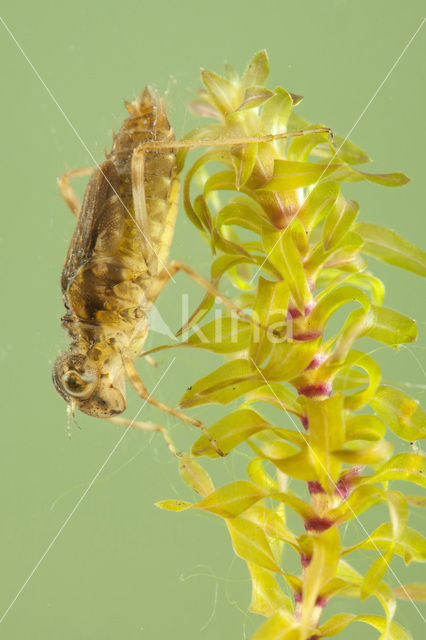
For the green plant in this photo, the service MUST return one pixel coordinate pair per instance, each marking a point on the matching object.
(298, 259)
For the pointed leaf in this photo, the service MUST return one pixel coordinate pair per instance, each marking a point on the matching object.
(257, 70)
(392, 327)
(173, 505)
(223, 385)
(254, 96)
(225, 95)
(232, 499)
(289, 175)
(411, 545)
(395, 631)
(195, 476)
(229, 432)
(415, 591)
(404, 466)
(349, 174)
(348, 151)
(417, 501)
(386, 245)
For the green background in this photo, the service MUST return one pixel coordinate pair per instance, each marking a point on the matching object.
(121, 568)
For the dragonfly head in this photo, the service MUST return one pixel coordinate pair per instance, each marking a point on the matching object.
(95, 386)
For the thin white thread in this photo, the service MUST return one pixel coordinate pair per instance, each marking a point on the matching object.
(80, 500)
(348, 134)
(335, 485)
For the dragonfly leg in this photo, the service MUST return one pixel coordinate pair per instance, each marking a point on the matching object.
(147, 426)
(67, 192)
(175, 266)
(143, 392)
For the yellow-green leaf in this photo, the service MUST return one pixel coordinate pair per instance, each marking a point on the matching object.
(269, 310)
(326, 434)
(284, 255)
(411, 545)
(362, 455)
(278, 396)
(395, 631)
(385, 244)
(289, 358)
(281, 626)
(415, 591)
(266, 595)
(250, 543)
(392, 327)
(404, 466)
(300, 147)
(400, 412)
(223, 385)
(318, 203)
(257, 70)
(322, 567)
(275, 112)
(232, 499)
(229, 432)
(173, 505)
(272, 524)
(289, 174)
(225, 95)
(335, 624)
(338, 222)
(195, 476)
(364, 427)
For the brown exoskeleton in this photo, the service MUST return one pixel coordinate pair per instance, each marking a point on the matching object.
(115, 267)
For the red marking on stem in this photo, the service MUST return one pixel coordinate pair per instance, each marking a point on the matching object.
(304, 560)
(307, 335)
(321, 602)
(315, 487)
(318, 524)
(345, 484)
(305, 422)
(294, 312)
(317, 361)
(315, 390)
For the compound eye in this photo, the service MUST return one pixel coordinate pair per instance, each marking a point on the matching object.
(76, 386)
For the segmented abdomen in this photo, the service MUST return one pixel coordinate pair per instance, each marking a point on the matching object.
(148, 122)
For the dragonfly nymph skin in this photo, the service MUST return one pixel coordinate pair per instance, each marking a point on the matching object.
(115, 255)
